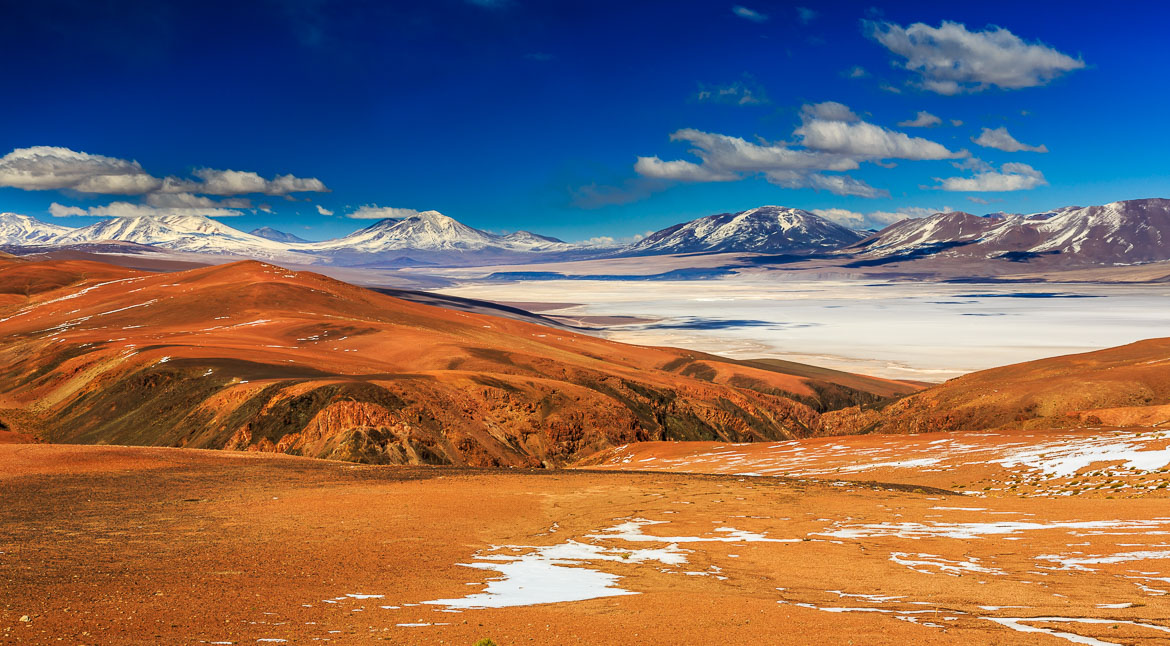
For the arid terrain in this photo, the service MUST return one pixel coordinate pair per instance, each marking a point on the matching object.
(252, 356)
(142, 545)
(680, 497)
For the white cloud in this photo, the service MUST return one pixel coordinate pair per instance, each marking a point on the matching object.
(1009, 177)
(191, 201)
(857, 72)
(680, 171)
(237, 182)
(62, 211)
(836, 184)
(610, 241)
(867, 140)
(748, 14)
(833, 137)
(877, 219)
(1001, 139)
(950, 59)
(805, 15)
(42, 168)
(956, 122)
(923, 120)
(131, 210)
(375, 212)
(828, 111)
(724, 153)
(323, 211)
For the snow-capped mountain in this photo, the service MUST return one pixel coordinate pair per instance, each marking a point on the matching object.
(268, 233)
(432, 231)
(1128, 232)
(192, 233)
(766, 229)
(21, 230)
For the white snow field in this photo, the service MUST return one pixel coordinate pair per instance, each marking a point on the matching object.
(910, 330)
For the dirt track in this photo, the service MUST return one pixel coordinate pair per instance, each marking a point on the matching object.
(129, 545)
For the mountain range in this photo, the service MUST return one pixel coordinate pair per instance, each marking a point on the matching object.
(1127, 232)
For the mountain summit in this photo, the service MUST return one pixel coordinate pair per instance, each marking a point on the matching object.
(1127, 232)
(766, 229)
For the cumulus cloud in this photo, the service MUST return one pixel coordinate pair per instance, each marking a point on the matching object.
(1009, 177)
(828, 111)
(42, 168)
(680, 171)
(323, 211)
(237, 182)
(831, 139)
(1001, 139)
(923, 120)
(877, 219)
(746, 92)
(748, 14)
(724, 153)
(375, 212)
(62, 211)
(862, 139)
(805, 15)
(132, 210)
(610, 241)
(950, 59)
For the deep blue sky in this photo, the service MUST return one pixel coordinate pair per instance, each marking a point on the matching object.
(519, 114)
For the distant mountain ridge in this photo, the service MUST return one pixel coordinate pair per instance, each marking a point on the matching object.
(275, 235)
(1127, 232)
(766, 229)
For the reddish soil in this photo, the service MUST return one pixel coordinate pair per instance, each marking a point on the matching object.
(250, 356)
(105, 545)
(1126, 385)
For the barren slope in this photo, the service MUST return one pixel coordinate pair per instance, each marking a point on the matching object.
(1126, 385)
(253, 356)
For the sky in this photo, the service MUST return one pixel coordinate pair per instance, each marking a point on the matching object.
(582, 120)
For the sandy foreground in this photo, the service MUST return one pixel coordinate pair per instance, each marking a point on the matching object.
(103, 545)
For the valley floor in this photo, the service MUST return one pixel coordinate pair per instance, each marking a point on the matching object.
(928, 330)
(143, 545)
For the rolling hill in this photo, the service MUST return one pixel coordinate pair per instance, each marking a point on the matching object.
(252, 356)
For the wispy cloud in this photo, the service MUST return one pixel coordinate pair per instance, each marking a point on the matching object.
(745, 92)
(923, 120)
(950, 59)
(132, 210)
(877, 219)
(1001, 139)
(375, 212)
(323, 211)
(749, 14)
(805, 15)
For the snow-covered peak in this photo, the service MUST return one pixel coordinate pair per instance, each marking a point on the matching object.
(765, 229)
(179, 232)
(1132, 231)
(268, 233)
(17, 229)
(429, 230)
